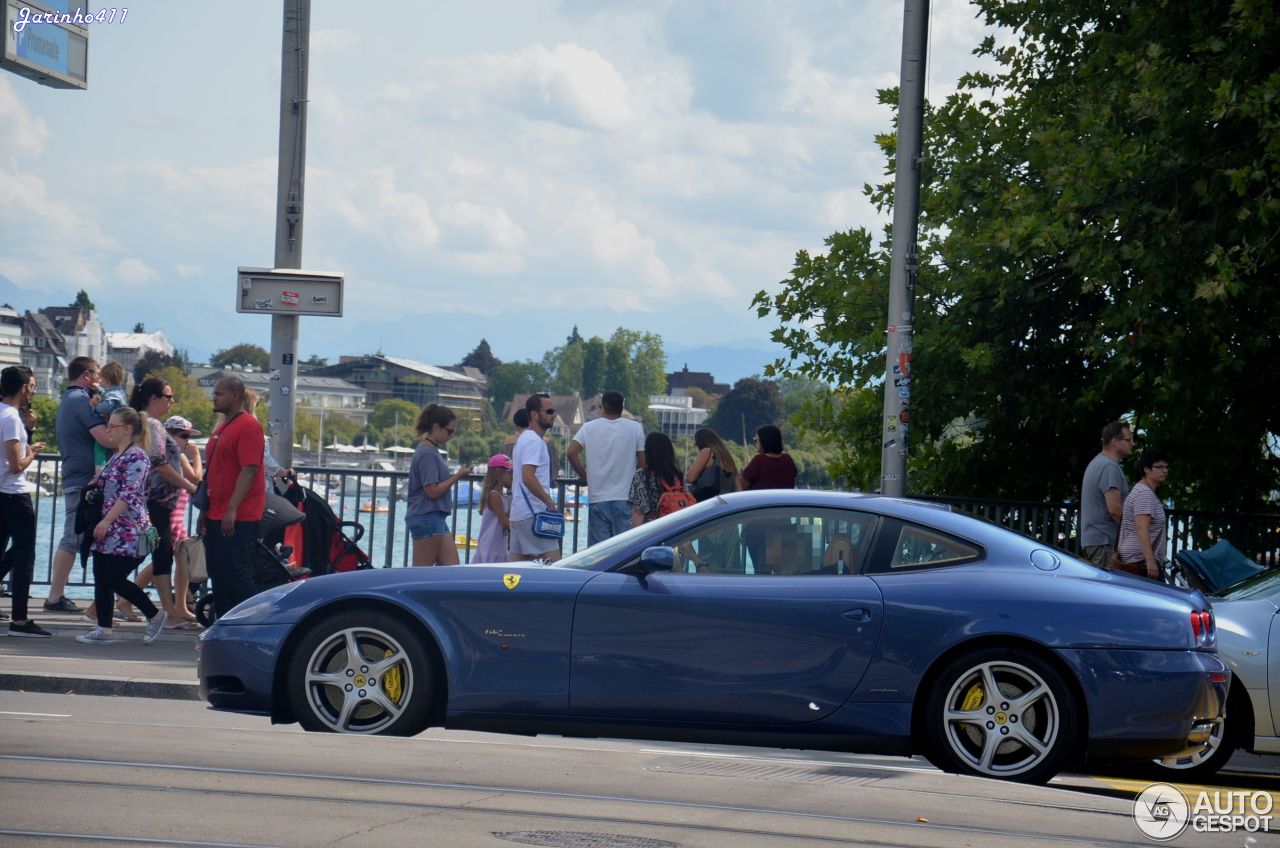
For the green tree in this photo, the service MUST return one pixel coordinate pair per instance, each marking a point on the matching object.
(748, 406)
(314, 362)
(189, 400)
(244, 355)
(482, 359)
(82, 300)
(1097, 241)
(388, 413)
(151, 362)
(139, 328)
(514, 378)
(565, 366)
(593, 353)
(46, 410)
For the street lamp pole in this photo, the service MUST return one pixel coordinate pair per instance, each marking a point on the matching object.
(905, 260)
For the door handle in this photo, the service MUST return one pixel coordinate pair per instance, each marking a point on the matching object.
(859, 615)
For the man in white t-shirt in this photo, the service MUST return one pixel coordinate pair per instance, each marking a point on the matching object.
(615, 449)
(531, 484)
(17, 514)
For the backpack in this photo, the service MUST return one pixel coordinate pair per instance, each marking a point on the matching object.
(673, 498)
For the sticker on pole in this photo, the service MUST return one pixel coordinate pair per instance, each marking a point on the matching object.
(289, 298)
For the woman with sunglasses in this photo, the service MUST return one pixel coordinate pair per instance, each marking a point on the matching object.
(431, 489)
(1141, 547)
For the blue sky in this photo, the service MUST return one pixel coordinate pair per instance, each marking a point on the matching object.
(494, 169)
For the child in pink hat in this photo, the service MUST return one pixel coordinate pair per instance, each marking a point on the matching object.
(495, 507)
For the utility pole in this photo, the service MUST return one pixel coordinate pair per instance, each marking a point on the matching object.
(905, 258)
(289, 195)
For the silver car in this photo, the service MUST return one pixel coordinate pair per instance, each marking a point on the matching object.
(1249, 643)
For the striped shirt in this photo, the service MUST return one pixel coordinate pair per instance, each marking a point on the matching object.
(1141, 501)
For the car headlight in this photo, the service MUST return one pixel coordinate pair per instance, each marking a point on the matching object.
(259, 603)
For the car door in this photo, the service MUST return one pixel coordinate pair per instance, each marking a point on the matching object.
(764, 620)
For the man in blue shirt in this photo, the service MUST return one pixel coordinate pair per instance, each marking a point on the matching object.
(78, 429)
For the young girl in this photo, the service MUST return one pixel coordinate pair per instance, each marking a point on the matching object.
(113, 378)
(431, 489)
(495, 509)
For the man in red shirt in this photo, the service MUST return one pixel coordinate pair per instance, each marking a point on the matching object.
(237, 496)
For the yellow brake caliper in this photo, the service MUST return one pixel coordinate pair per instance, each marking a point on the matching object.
(391, 681)
(972, 698)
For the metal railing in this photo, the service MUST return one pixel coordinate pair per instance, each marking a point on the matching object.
(1257, 535)
(375, 499)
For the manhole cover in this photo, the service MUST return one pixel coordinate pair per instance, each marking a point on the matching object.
(573, 839)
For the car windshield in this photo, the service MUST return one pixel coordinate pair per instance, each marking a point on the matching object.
(588, 558)
(1259, 585)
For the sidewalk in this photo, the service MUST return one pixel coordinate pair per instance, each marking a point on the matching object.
(166, 668)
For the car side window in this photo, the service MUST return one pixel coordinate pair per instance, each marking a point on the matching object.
(919, 547)
(777, 541)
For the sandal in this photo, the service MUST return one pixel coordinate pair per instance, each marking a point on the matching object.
(182, 625)
(121, 615)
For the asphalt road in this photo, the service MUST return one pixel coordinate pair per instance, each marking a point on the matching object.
(80, 770)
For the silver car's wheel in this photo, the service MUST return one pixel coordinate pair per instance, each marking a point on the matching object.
(350, 675)
(1204, 761)
(1005, 714)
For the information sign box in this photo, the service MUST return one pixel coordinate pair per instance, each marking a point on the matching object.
(52, 54)
(289, 291)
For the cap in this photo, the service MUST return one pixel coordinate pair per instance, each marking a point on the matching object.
(177, 422)
(500, 460)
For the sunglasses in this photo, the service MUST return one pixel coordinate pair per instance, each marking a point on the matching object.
(178, 434)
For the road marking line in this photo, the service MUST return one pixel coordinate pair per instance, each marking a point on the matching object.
(38, 715)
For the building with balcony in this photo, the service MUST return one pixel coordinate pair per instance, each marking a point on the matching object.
(677, 416)
(386, 377)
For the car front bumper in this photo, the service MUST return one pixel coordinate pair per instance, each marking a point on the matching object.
(1146, 704)
(236, 666)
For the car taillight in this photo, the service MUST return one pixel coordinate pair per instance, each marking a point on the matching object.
(1202, 630)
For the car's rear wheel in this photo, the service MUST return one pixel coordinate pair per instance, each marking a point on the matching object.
(1004, 713)
(361, 672)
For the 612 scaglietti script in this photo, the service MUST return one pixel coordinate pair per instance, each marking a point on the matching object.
(816, 620)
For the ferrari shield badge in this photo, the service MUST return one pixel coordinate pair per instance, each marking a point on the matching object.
(511, 580)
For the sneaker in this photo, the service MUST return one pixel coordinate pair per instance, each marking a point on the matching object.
(154, 625)
(63, 604)
(96, 636)
(4, 616)
(30, 630)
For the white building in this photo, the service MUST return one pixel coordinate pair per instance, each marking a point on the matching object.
(10, 336)
(128, 348)
(316, 395)
(677, 416)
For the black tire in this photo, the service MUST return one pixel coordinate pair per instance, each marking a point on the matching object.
(204, 611)
(329, 693)
(1024, 734)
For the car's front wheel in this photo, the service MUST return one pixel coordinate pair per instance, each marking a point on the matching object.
(361, 672)
(1003, 713)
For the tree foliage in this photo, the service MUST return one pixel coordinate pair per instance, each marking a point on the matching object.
(392, 412)
(748, 406)
(82, 300)
(243, 355)
(151, 362)
(1098, 241)
(482, 359)
(509, 379)
(189, 400)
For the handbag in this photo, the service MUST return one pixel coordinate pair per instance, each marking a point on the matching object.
(547, 524)
(708, 483)
(189, 553)
(200, 497)
(148, 542)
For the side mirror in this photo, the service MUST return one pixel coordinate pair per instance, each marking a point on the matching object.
(657, 558)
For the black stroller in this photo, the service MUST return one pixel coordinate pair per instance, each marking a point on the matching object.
(270, 556)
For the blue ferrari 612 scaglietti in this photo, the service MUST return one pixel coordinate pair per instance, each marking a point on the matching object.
(796, 619)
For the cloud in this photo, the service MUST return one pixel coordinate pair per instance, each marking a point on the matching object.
(188, 272)
(22, 135)
(135, 272)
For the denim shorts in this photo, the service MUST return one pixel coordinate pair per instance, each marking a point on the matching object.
(427, 524)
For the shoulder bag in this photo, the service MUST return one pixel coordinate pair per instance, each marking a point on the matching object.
(708, 483)
(190, 553)
(547, 524)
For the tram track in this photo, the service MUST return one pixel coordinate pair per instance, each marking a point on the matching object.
(343, 791)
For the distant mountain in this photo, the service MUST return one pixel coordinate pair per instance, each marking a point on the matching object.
(23, 299)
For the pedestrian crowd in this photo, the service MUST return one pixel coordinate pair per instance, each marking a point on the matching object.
(129, 469)
(631, 478)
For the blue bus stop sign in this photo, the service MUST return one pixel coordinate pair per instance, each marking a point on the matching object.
(42, 42)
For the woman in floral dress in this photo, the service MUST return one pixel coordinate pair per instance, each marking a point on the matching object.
(124, 523)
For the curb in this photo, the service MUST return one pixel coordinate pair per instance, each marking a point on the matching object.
(123, 687)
